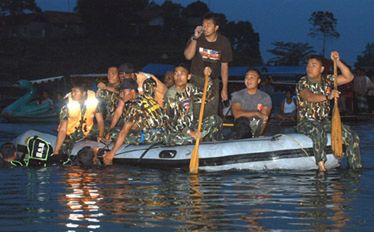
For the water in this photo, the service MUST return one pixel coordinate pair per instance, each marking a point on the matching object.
(123, 198)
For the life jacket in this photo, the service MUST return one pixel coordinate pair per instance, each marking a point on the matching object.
(81, 117)
(37, 154)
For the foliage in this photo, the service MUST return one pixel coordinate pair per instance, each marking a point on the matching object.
(367, 57)
(18, 7)
(245, 42)
(324, 25)
(111, 18)
(289, 53)
(195, 9)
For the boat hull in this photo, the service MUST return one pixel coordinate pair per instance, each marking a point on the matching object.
(279, 152)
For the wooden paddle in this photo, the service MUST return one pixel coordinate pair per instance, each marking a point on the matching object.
(336, 124)
(194, 161)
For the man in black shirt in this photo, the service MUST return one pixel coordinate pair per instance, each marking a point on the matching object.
(209, 48)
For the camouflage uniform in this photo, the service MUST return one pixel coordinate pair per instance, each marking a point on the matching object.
(149, 88)
(179, 107)
(78, 135)
(148, 116)
(109, 101)
(313, 121)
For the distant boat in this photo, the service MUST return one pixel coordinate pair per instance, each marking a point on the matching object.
(25, 110)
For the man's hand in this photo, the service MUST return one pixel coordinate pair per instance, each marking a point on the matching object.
(334, 94)
(195, 134)
(224, 95)
(335, 55)
(207, 71)
(101, 85)
(108, 158)
(198, 32)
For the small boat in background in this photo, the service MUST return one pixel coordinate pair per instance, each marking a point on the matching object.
(25, 109)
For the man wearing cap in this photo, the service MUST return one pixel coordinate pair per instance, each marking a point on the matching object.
(147, 84)
(143, 119)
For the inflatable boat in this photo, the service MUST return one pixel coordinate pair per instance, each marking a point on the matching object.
(278, 152)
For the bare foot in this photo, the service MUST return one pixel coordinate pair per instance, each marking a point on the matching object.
(321, 166)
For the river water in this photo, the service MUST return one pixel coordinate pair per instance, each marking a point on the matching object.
(124, 198)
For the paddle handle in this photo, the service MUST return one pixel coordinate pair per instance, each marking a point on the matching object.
(194, 162)
(202, 107)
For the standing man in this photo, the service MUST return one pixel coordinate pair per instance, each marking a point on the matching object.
(209, 48)
(251, 107)
(314, 93)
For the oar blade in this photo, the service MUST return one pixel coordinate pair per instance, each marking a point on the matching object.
(336, 134)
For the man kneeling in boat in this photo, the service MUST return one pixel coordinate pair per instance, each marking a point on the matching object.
(314, 92)
(143, 117)
(77, 119)
(251, 107)
(179, 107)
(147, 84)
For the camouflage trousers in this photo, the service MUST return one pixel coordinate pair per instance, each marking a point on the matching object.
(212, 106)
(247, 127)
(151, 136)
(211, 130)
(70, 140)
(317, 131)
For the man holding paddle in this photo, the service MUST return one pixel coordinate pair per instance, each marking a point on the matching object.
(314, 93)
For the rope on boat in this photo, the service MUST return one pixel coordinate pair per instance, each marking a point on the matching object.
(300, 145)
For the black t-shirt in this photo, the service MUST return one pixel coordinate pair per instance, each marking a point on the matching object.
(211, 54)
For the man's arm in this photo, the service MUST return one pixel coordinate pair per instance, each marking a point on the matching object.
(62, 128)
(120, 139)
(346, 75)
(225, 78)
(238, 112)
(190, 50)
(117, 114)
(100, 125)
(307, 95)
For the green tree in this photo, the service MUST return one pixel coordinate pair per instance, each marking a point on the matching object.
(18, 7)
(245, 42)
(324, 25)
(195, 9)
(289, 53)
(367, 57)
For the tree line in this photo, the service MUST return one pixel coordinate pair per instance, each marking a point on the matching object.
(125, 30)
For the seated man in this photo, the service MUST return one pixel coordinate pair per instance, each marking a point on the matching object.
(314, 93)
(109, 94)
(77, 118)
(142, 114)
(251, 107)
(179, 107)
(36, 153)
(287, 108)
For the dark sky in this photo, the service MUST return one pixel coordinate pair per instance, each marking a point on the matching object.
(287, 20)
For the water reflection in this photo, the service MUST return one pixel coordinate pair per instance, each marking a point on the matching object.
(83, 199)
